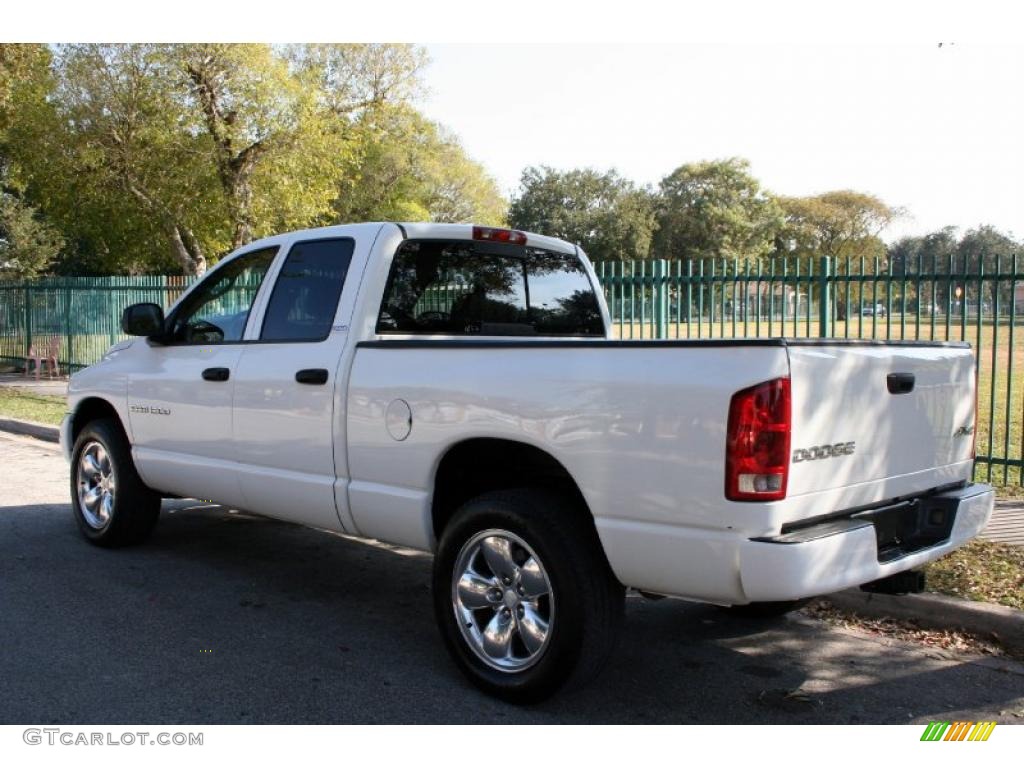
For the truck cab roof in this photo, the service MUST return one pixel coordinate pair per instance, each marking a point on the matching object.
(412, 230)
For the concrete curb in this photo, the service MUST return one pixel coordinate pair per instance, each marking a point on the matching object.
(31, 428)
(932, 611)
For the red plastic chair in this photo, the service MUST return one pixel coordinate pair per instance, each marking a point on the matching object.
(45, 350)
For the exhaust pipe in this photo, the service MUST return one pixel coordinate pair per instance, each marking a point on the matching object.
(905, 583)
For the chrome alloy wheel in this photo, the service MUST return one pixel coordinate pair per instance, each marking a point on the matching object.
(96, 485)
(503, 600)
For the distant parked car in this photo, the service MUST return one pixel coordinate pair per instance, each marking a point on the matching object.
(873, 310)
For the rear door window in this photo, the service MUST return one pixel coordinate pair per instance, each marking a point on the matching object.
(305, 297)
(461, 287)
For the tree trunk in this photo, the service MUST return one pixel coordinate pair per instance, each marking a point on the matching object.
(187, 251)
(184, 246)
(242, 207)
(234, 166)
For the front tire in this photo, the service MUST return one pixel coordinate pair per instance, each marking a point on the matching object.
(523, 595)
(111, 504)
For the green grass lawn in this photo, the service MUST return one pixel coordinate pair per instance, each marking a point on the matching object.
(45, 409)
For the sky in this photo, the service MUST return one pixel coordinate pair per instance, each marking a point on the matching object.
(935, 130)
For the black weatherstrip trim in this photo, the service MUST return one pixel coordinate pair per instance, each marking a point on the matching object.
(562, 343)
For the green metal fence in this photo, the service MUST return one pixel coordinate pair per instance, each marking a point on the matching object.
(981, 302)
(84, 313)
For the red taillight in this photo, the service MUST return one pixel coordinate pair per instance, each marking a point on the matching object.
(496, 235)
(757, 443)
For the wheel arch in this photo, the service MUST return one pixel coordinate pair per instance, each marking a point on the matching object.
(90, 409)
(479, 465)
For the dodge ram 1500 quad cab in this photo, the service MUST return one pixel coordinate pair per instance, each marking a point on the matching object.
(458, 389)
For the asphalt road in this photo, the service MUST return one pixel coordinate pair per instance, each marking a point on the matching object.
(227, 618)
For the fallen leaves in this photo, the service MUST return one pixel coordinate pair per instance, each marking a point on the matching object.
(938, 641)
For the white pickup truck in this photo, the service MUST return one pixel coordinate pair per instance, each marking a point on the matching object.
(457, 389)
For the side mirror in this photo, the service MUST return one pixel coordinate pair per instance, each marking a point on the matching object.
(143, 320)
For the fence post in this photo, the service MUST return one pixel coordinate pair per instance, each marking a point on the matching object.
(824, 297)
(68, 328)
(113, 316)
(28, 324)
(660, 299)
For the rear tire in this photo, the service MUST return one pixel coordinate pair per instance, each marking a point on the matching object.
(768, 610)
(523, 595)
(111, 504)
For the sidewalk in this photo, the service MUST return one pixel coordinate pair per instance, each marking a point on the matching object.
(1007, 523)
(45, 386)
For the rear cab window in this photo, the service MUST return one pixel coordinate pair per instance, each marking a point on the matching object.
(473, 288)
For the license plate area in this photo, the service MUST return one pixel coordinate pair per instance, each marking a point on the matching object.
(910, 526)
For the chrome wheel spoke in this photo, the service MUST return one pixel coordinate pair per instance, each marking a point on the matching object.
(533, 629)
(476, 592)
(533, 580)
(91, 498)
(497, 636)
(103, 460)
(107, 506)
(497, 552)
(90, 465)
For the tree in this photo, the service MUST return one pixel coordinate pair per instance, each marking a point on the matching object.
(844, 225)
(607, 215)
(917, 253)
(925, 254)
(986, 248)
(24, 75)
(715, 209)
(27, 245)
(106, 156)
(148, 156)
(265, 127)
(407, 168)
(980, 246)
(354, 77)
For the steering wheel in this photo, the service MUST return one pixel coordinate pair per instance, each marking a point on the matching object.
(203, 331)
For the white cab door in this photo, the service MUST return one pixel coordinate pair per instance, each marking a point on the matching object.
(285, 403)
(180, 391)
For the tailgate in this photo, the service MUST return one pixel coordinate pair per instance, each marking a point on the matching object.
(865, 412)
